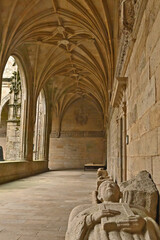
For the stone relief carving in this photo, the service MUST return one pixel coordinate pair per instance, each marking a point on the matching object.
(111, 219)
(81, 116)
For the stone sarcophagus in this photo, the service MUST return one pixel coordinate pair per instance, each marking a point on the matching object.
(141, 192)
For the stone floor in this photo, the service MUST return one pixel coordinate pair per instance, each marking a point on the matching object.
(37, 208)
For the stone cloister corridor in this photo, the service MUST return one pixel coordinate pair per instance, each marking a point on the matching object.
(79, 88)
(37, 208)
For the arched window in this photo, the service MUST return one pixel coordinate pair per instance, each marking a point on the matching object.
(13, 97)
(3, 126)
(39, 130)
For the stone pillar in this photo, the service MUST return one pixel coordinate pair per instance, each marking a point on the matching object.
(13, 150)
(39, 130)
(118, 101)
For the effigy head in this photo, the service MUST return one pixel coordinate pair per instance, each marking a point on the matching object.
(109, 191)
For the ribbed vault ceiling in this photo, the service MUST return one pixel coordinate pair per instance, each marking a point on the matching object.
(66, 43)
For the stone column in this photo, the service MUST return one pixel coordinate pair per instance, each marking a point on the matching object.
(39, 129)
(13, 151)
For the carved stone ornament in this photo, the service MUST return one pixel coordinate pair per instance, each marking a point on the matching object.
(118, 88)
(130, 12)
(124, 42)
(15, 83)
(15, 99)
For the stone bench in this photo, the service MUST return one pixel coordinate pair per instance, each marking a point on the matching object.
(91, 166)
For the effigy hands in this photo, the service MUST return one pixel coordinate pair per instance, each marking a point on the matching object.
(104, 213)
(134, 224)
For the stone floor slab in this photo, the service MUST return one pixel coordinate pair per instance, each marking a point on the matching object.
(38, 207)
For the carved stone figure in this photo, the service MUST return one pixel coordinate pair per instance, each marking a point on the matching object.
(110, 220)
(102, 175)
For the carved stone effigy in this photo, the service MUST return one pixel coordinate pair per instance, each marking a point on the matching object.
(102, 175)
(111, 219)
(141, 191)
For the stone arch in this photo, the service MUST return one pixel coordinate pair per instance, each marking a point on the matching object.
(14, 91)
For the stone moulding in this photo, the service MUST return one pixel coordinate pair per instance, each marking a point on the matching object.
(14, 121)
(64, 134)
(129, 33)
(119, 87)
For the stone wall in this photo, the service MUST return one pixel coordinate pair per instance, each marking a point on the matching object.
(81, 138)
(143, 98)
(10, 171)
(74, 152)
(143, 95)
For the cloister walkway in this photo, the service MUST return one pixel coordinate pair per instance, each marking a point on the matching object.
(37, 208)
